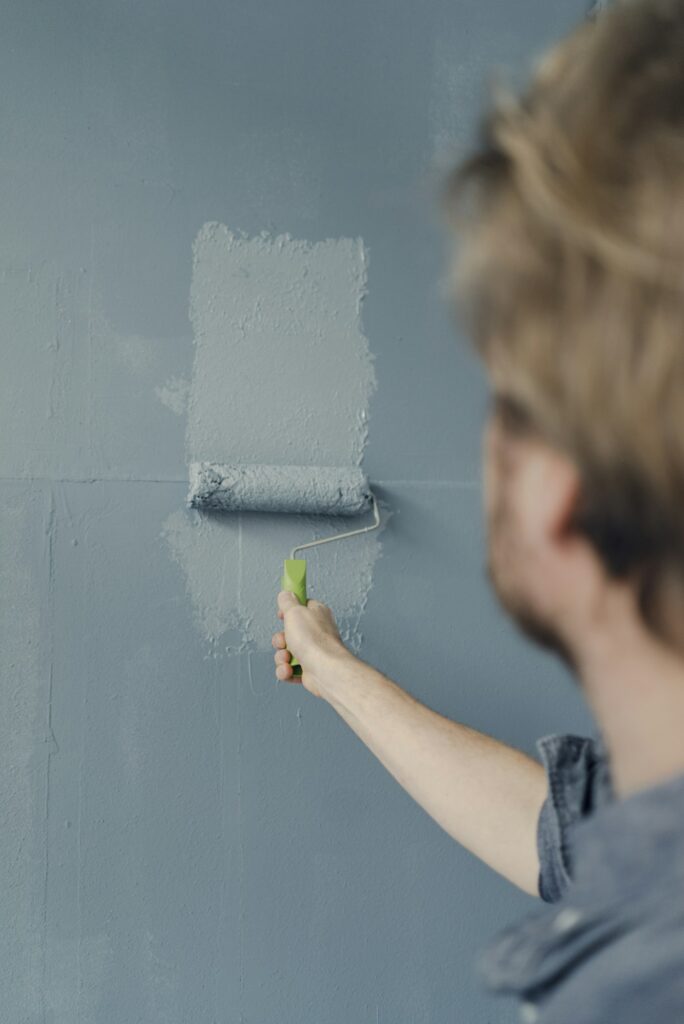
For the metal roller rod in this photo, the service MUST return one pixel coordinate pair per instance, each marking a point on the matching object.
(342, 536)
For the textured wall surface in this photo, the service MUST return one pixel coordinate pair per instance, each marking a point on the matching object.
(195, 197)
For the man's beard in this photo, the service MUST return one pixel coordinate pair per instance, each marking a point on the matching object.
(537, 628)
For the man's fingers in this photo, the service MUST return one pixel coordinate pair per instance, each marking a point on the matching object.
(283, 672)
(282, 657)
(278, 640)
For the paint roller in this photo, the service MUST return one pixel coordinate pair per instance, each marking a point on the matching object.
(313, 490)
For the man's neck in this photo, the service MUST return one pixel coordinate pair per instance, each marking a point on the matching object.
(635, 688)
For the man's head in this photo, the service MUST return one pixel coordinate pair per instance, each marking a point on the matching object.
(570, 280)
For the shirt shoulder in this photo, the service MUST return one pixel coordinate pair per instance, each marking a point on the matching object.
(578, 781)
(627, 964)
(643, 975)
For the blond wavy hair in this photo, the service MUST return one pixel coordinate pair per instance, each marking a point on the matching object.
(569, 279)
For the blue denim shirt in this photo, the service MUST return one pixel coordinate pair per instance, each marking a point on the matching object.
(610, 948)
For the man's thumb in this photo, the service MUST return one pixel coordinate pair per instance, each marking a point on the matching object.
(286, 599)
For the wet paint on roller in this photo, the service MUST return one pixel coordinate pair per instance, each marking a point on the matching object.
(321, 490)
(282, 376)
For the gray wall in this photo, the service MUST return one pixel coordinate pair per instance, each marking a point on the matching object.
(182, 839)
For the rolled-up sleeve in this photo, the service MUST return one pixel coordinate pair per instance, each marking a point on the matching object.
(578, 781)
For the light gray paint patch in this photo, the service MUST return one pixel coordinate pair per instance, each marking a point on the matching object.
(282, 369)
(282, 375)
(209, 552)
(233, 565)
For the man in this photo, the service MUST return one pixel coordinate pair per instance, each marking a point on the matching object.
(571, 283)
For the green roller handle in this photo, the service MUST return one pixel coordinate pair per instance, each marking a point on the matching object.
(294, 579)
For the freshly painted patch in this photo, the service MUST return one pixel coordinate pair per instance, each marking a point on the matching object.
(282, 375)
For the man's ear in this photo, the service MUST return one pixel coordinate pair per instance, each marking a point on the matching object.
(550, 490)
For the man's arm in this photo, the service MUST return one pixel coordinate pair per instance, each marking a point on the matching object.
(485, 794)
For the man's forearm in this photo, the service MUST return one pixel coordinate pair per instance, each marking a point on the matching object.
(484, 793)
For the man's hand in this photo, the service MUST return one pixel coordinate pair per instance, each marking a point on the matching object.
(311, 632)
